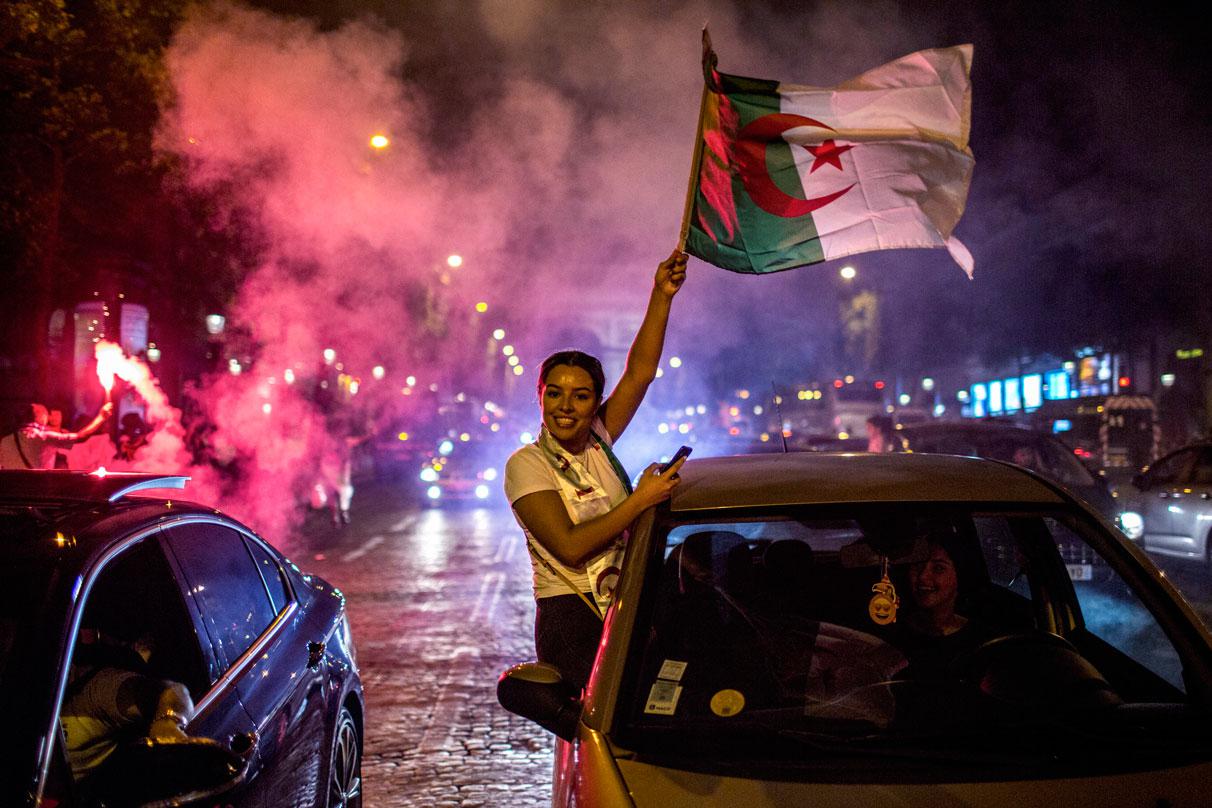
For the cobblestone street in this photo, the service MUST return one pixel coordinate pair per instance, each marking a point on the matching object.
(440, 601)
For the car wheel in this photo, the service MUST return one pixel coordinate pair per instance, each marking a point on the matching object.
(345, 768)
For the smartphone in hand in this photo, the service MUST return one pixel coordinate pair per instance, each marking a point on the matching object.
(682, 451)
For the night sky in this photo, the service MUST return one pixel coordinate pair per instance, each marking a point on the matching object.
(549, 143)
(1090, 136)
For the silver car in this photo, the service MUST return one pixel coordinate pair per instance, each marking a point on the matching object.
(761, 649)
(1168, 507)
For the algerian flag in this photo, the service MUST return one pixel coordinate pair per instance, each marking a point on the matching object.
(786, 176)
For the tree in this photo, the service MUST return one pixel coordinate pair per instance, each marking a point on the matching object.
(77, 169)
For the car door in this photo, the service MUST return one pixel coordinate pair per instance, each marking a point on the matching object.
(286, 693)
(253, 619)
(137, 582)
(1161, 496)
(1191, 505)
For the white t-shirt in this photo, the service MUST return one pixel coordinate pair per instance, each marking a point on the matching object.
(32, 447)
(526, 472)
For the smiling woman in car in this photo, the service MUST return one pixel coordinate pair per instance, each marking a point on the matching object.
(569, 492)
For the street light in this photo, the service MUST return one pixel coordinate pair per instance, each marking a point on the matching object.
(379, 141)
(454, 261)
(847, 272)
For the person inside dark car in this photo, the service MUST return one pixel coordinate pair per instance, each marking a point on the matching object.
(123, 682)
(114, 696)
(933, 632)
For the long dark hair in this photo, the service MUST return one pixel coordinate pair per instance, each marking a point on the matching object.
(576, 359)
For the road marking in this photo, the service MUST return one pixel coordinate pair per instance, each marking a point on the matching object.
(490, 594)
(505, 549)
(445, 713)
(404, 524)
(367, 546)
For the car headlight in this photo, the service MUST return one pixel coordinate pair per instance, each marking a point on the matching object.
(429, 475)
(434, 492)
(1131, 523)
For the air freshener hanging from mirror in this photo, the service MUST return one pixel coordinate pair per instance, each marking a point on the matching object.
(884, 602)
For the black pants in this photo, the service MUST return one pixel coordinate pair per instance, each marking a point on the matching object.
(566, 634)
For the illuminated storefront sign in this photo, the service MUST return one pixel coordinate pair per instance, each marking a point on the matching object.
(1014, 401)
(1058, 385)
(980, 398)
(995, 397)
(1033, 391)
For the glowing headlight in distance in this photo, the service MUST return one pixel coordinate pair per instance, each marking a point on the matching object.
(481, 492)
(428, 475)
(1131, 523)
(490, 474)
(434, 492)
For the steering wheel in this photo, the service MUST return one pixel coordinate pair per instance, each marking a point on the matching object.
(1035, 670)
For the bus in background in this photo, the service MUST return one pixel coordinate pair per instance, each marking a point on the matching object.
(1116, 434)
(851, 402)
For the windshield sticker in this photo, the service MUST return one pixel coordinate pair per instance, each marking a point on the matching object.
(672, 670)
(663, 698)
(727, 702)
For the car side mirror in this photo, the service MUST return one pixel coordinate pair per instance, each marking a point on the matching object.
(537, 691)
(150, 773)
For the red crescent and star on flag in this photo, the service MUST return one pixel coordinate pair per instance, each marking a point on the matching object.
(751, 145)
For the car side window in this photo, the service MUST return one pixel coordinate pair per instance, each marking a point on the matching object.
(136, 595)
(1063, 465)
(1168, 469)
(226, 583)
(1201, 470)
(1113, 613)
(272, 574)
(1006, 564)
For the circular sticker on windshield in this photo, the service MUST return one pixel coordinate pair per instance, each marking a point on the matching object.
(727, 702)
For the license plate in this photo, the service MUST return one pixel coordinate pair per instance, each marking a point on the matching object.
(1080, 572)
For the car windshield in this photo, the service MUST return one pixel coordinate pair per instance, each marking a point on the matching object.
(899, 631)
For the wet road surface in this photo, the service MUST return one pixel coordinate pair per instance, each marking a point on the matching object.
(440, 602)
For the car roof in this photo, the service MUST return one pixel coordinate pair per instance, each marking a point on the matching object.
(815, 478)
(62, 515)
(50, 487)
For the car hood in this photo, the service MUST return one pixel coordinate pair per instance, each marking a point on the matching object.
(652, 785)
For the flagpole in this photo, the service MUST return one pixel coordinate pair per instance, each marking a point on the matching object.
(694, 168)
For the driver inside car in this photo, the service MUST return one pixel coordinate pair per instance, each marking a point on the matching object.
(933, 632)
(112, 698)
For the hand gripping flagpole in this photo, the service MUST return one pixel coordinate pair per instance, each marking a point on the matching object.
(692, 184)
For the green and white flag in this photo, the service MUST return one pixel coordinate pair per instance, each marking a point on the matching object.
(786, 175)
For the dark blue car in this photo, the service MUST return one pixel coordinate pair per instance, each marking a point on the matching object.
(264, 650)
